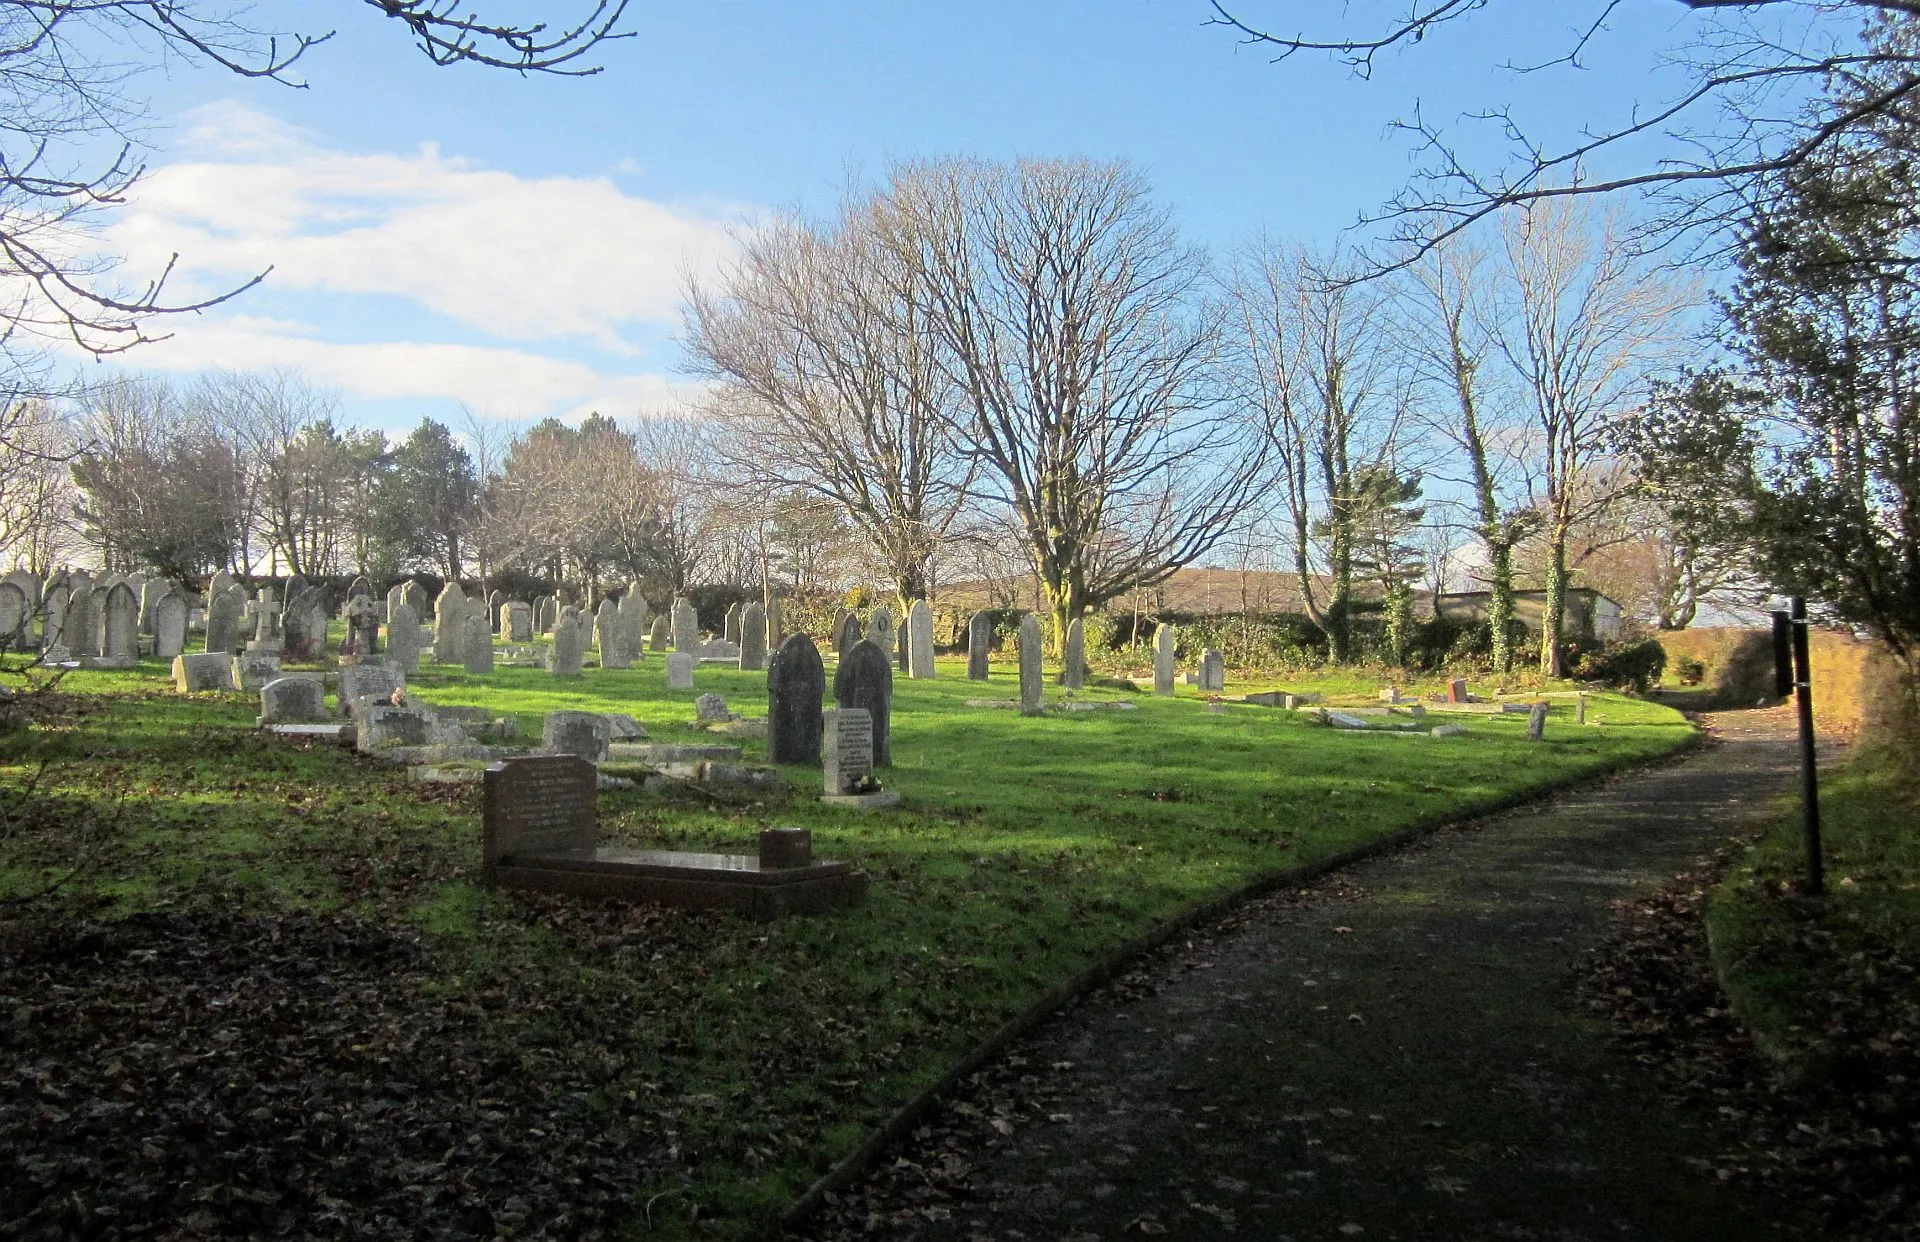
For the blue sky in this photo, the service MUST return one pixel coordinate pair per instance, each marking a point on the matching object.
(519, 244)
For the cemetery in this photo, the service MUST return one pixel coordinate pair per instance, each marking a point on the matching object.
(758, 889)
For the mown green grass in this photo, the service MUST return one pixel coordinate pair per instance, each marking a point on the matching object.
(1025, 849)
(1782, 955)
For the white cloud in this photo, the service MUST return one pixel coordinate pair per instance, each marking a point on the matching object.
(521, 259)
(510, 383)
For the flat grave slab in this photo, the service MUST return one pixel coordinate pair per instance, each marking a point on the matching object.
(336, 732)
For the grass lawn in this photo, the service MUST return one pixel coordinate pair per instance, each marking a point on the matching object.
(698, 1067)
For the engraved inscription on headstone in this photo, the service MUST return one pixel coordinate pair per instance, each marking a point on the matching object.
(846, 749)
(535, 805)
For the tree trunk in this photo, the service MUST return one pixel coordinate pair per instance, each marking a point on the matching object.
(1553, 612)
(1500, 604)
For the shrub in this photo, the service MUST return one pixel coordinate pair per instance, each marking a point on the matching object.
(1690, 670)
(1632, 666)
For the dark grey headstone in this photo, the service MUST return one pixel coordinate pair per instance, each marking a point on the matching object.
(796, 685)
(848, 634)
(865, 679)
(753, 638)
(542, 804)
(979, 644)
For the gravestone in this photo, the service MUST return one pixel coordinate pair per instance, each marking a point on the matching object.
(569, 646)
(1073, 674)
(362, 681)
(516, 621)
(796, 685)
(223, 619)
(477, 650)
(753, 638)
(1580, 708)
(880, 631)
(23, 632)
(686, 626)
(396, 596)
(363, 627)
(169, 625)
(16, 617)
(900, 649)
(264, 613)
(382, 725)
(680, 670)
(775, 636)
(545, 612)
(404, 638)
(358, 587)
(837, 634)
(586, 734)
(450, 625)
(1031, 684)
(120, 625)
(865, 680)
(303, 627)
(54, 626)
(1536, 722)
(150, 592)
(496, 600)
(208, 670)
(81, 633)
(659, 638)
(1163, 659)
(633, 624)
(540, 804)
(730, 628)
(710, 708)
(920, 640)
(612, 635)
(415, 597)
(254, 669)
(1213, 671)
(293, 700)
(979, 644)
(846, 750)
(295, 585)
(850, 632)
(1457, 691)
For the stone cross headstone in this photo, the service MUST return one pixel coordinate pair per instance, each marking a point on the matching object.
(264, 612)
(450, 625)
(849, 633)
(293, 700)
(1163, 659)
(16, 617)
(796, 685)
(920, 640)
(477, 651)
(569, 646)
(979, 644)
(1073, 673)
(660, 637)
(686, 626)
(753, 638)
(612, 635)
(120, 625)
(865, 679)
(169, 625)
(680, 669)
(363, 626)
(404, 638)
(1537, 722)
(1213, 671)
(540, 804)
(730, 628)
(224, 612)
(847, 751)
(1031, 683)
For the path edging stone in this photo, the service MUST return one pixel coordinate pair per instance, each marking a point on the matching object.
(862, 1159)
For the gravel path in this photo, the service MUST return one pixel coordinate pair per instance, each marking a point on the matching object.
(1394, 1054)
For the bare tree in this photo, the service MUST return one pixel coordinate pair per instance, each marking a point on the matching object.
(830, 383)
(1583, 330)
(1747, 66)
(1070, 319)
(37, 499)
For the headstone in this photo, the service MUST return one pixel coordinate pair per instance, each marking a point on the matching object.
(210, 670)
(612, 636)
(516, 621)
(264, 613)
(304, 625)
(218, 583)
(415, 597)
(880, 630)
(569, 646)
(23, 632)
(120, 624)
(1031, 685)
(396, 596)
(1457, 691)
(586, 734)
(450, 625)
(1073, 672)
(865, 680)
(920, 640)
(363, 627)
(55, 599)
(254, 669)
(546, 611)
(295, 585)
(841, 621)
(16, 617)
(680, 669)
(633, 624)
(849, 633)
(1213, 671)
(979, 644)
(686, 626)
(404, 638)
(847, 750)
(775, 635)
(1163, 659)
(496, 600)
(753, 638)
(540, 804)
(362, 681)
(169, 624)
(796, 684)
(223, 619)
(293, 700)
(710, 708)
(477, 651)
(383, 724)
(358, 587)
(1580, 708)
(1447, 730)
(1537, 722)
(150, 592)
(81, 633)
(730, 628)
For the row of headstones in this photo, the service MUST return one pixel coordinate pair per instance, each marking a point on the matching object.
(78, 619)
